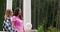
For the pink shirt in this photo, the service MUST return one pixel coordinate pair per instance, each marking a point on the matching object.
(18, 23)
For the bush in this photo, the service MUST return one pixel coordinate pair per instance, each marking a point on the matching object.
(41, 28)
(52, 29)
(49, 29)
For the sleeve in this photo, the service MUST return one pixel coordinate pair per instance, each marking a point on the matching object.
(13, 19)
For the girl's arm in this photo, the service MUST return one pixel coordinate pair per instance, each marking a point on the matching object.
(13, 22)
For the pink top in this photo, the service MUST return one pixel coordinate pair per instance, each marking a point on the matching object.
(18, 23)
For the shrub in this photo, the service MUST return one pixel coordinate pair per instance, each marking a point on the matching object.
(49, 29)
(41, 28)
(52, 29)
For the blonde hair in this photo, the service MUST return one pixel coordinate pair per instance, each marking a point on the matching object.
(8, 13)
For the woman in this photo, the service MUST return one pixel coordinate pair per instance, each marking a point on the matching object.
(17, 20)
(7, 25)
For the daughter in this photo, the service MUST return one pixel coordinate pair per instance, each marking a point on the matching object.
(17, 20)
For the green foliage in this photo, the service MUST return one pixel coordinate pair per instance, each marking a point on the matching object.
(2, 9)
(52, 29)
(14, 5)
(44, 10)
(41, 28)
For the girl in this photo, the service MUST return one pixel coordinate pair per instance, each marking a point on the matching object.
(7, 25)
(17, 20)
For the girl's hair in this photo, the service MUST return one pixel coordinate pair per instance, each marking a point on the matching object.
(16, 13)
(8, 13)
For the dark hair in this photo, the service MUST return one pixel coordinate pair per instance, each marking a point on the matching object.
(16, 11)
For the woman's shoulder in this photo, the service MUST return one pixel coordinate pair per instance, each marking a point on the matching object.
(14, 17)
(6, 18)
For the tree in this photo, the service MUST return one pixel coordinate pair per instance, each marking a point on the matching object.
(44, 12)
(2, 9)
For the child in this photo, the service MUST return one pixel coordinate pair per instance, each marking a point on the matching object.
(17, 20)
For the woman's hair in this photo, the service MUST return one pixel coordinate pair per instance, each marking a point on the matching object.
(8, 13)
(16, 13)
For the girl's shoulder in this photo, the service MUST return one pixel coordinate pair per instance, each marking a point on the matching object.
(14, 17)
